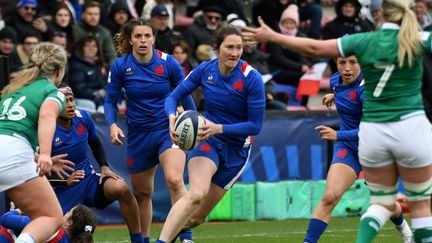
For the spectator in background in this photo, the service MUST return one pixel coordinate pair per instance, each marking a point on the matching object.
(423, 17)
(90, 26)
(227, 6)
(292, 65)
(159, 21)
(62, 21)
(118, 17)
(201, 31)
(88, 74)
(169, 5)
(8, 38)
(347, 21)
(270, 11)
(23, 51)
(24, 20)
(60, 38)
(310, 10)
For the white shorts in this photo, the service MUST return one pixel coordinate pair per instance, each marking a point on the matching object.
(407, 142)
(17, 163)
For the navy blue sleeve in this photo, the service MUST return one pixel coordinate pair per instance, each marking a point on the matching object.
(176, 79)
(350, 135)
(185, 88)
(14, 221)
(256, 109)
(113, 92)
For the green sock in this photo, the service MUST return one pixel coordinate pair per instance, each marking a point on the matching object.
(368, 229)
(423, 235)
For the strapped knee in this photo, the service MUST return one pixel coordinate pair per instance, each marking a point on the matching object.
(383, 195)
(418, 191)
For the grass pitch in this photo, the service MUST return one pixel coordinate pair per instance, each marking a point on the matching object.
(340, 230)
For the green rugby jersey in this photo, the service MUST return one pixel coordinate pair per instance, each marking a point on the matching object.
(390, 92)
(19, 111)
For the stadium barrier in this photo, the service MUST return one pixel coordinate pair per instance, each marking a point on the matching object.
(285, 200)
(288, 148)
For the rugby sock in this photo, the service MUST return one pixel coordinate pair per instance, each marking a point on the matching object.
(146, 239)
(371, 222)
(160, 241)
(315, 229)
(25, 238)
(136, 237)
(398, 220)
(422, 229)
(185, 234)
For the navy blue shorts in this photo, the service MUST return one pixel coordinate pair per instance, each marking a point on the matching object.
(345, 155)
(144, 148)
(229, 160)
(87, 191)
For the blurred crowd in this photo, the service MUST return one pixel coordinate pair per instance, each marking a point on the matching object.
(86, 29)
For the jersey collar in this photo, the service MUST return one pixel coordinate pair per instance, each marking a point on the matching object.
(392, 26)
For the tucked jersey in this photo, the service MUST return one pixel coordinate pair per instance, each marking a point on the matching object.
(74, 141)
(146, 86)
(236, 101)
(20, 109)
(391, 93)
(348, 100)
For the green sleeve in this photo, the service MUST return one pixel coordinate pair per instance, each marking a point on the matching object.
(56, 95)
(351, 44)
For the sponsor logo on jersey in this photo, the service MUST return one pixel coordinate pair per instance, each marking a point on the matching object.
(128, 71)
(57, 141)
(80, 129)
(238, 85)
(205, 148)
(159, 70)
(210, 79)
(353, 95)
(342, 153)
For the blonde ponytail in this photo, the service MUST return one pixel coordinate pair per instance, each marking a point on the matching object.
(399, 11)
(45, 59)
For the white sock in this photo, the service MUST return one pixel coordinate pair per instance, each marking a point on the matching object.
(25, 238)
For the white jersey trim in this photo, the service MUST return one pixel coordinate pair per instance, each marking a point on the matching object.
(247, 70)
(231, 183)
(164, 56)
(56, 100)
(78, 113)
(339, 45)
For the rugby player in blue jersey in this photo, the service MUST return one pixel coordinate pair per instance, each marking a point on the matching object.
(147, 77)
(79, 224)
(347, 85)
(75, 132)
(234, 103)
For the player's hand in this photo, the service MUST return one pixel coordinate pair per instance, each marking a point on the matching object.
(261, 34)
(328, 100)
(61, 165)
(326, 133)
(115, 132)
(208, 129)
(44, 164)
(75, 177)
(106, 171)
(172, 119)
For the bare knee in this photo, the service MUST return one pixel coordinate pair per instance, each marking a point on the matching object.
(143, 195)
(330, 199)
(194, 198)
(121, 191)
(175, 184)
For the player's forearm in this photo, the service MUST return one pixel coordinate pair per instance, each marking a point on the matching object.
(46, 130)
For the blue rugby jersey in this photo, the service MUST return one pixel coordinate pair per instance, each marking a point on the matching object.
(74, 141)
(146, 86)
(349, 102)
(236, 101)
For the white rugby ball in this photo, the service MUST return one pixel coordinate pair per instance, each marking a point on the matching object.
(186, 129)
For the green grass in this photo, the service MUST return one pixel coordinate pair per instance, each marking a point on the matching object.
(340, 230)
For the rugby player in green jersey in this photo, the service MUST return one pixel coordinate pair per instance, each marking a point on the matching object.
(29, 108)
(395, 137)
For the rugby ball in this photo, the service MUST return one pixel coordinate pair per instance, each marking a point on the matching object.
(186, 129)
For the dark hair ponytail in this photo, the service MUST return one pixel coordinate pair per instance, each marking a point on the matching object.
(83, 224)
